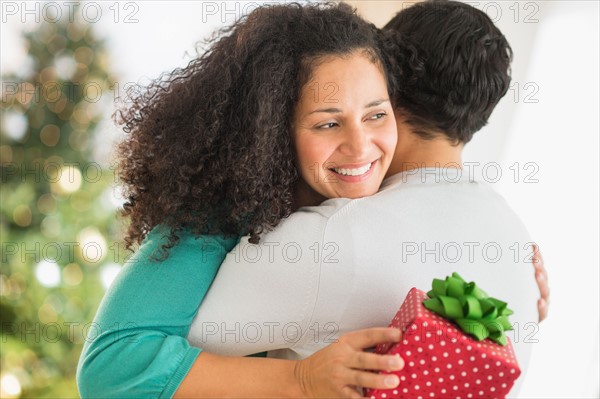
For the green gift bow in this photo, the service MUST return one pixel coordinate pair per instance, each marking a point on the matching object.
(470, 307)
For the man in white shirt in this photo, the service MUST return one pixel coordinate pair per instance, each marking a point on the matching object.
(348, 264)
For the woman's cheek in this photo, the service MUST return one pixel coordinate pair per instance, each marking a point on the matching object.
(308, 154)
(390, 139)
(313, 151)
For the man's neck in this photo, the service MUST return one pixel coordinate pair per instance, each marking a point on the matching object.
(413, 152)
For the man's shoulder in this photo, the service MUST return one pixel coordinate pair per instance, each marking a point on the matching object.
(326, 209)
(305, 225)
(440, 188)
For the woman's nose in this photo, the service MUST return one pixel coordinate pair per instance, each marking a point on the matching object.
(355, 141)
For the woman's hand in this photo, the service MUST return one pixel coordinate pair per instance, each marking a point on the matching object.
(541, 277)
(337, 370)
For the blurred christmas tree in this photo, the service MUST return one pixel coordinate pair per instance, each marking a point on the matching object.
(57, 216)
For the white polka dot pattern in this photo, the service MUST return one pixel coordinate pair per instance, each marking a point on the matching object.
(443, 362)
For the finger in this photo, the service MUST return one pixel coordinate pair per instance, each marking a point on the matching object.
(541, 275)
(350, 392)
(538, 260)
(542, 283)
(372, 380)
(539, 267)
(367, 338)
(541, 270)
(542, 309)
(374, 361)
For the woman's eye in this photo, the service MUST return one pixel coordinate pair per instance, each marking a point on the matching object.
(328, 125)
(378, 115)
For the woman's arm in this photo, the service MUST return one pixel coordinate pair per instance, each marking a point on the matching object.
(214, 376)
(334, 371)
(136, 346)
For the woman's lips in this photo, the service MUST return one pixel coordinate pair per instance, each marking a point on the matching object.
(354, 174)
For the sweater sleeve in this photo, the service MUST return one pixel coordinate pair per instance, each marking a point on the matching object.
(136, 346)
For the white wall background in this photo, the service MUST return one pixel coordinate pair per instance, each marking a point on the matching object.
(556, 63)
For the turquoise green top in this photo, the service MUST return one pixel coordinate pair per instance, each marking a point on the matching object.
(136, 346)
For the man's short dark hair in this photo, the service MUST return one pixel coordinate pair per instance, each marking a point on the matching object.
(452, 64)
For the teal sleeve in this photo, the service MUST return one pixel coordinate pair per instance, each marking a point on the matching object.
(136, 346)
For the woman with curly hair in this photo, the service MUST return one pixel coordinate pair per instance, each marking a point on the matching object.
(226, 147)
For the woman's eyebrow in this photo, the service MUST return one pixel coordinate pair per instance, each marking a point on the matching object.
(326, 110)
(377, 102)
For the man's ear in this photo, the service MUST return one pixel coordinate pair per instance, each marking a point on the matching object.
(411, 126)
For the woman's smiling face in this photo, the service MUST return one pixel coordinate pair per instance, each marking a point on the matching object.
(344, 127)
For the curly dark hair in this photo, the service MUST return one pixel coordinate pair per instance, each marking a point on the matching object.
(209, 146)
(453, 67)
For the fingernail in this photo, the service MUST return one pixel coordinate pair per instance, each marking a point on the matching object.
(539, 276)
(395, 362)
(396, 334)
(391, 381)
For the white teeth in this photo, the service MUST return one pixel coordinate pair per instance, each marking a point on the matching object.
(354, 172)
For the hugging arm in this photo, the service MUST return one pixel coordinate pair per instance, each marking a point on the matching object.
(334, 371)
(138, 347)
(137, 343)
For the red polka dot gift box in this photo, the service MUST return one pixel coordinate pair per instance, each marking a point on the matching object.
(453, 345)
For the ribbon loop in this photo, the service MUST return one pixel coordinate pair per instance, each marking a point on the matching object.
(470, 307)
